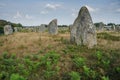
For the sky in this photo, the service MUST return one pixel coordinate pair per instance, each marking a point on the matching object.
(36, 12)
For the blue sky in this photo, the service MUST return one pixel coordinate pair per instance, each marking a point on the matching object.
(36, 12)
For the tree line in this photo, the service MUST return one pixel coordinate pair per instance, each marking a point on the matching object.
(4, 22)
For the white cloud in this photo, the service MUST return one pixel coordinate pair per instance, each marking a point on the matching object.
(44, 12)
(28, 16)
(90, 8)
(53, 6)
(17, 15)
(74, 13)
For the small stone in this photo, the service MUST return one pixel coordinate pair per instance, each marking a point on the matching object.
(8, 29)
(52, 27)
(42, 28)
(15, 29)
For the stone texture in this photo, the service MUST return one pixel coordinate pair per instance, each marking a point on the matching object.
(100, 26)
(83, 29)
(20, 29)
(42, 28)
(15, 29)
(72, 33)
(35, 29)
(8, 29)
(117, 28)
(52, 27)
(113, 27)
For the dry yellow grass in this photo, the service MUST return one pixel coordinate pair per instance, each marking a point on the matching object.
(105, 44)
(32, 43)
(24, 43)
(109, 44)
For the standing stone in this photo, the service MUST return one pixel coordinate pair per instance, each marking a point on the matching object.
(8, 29)
(100, 26)
(34, 29)
(52, 27)
(16, 29)
(20, 29)
(72, 33)
(83, 29)
(42, 28)
(117, 28)
(113, 27)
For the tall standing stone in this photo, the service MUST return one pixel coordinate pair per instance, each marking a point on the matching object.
(52, 27)
(83, 29)
(8, 29)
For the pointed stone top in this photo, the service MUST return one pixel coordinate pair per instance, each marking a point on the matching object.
(84, 9)
(84, 15)
(55, 20)
(52, 27)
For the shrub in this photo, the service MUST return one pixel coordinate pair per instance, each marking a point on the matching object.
(89, 73)
(49, 64)
(87, 70)
(74, 76)
(105, 78)
(16, 77)
(102, 60)
(98, 55)
(79, 62)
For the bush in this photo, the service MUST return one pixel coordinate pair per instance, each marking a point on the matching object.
(1, 30)
(105, 78)
(79, 62)
(16, 77)
(49, 64)
(74, 76)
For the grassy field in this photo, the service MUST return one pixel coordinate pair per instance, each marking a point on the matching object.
(40, 56)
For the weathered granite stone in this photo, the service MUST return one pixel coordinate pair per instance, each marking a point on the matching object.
(52, 27)
(20, 29)
(83, 29)
(117, 28)
(113, 27)
(15, 29)
(100, 26)
(35, 29)
(42, 28)
(72, 33)
(8, 29)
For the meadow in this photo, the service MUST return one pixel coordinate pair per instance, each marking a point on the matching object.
(41, 56)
